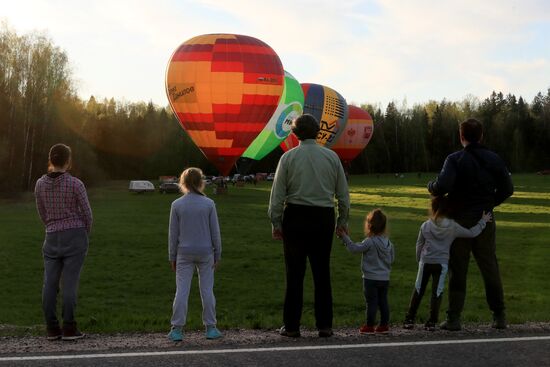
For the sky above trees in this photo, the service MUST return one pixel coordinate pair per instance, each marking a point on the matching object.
(370, 51)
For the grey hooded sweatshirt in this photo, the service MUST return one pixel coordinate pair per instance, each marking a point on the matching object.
(378, 255)
(436, 236)
(194, 228)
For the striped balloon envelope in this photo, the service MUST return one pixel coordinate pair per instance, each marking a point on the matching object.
(224, 88)
(278, 128)
(329, 108)
(356, 135)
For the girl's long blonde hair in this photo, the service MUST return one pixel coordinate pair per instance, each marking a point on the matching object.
(191, 181)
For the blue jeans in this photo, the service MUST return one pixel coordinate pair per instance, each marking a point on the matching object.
(376, 296)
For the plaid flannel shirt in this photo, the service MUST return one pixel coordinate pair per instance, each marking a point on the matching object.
(62, 203)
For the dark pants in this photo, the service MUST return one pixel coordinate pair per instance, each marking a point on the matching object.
(376, 296)
(427, 271)
(483, 248)
(64, 254)
(307, 234)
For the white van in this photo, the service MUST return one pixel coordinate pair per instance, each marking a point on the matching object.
(141, 186)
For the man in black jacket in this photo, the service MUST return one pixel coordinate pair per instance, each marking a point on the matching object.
(476, 180)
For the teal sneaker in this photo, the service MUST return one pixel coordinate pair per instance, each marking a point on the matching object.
(176, 335)
(212, 332)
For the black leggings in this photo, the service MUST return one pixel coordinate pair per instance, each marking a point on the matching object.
(433, 271)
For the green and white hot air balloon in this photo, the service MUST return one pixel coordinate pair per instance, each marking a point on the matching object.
(291, 105)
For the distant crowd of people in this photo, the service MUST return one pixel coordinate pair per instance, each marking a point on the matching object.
(308, 182)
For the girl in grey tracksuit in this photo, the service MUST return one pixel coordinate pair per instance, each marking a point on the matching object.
(432, 253)
(194, 243)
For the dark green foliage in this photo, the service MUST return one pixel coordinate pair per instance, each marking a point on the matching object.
(39, 107)
(418, 139)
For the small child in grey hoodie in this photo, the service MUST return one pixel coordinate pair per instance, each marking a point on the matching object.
(432, 253)
(378, 255)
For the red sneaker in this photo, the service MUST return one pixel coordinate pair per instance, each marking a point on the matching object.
(382, 329)
(366, 329)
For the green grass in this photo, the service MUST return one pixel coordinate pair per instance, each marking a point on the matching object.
(127, 285)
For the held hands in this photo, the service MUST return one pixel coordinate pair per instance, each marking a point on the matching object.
(487, 217)
(277, 234)
(173, 265)
(341, 231)
(216, 265)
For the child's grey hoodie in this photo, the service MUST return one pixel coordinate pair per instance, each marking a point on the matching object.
(436, 236)
(378, 255)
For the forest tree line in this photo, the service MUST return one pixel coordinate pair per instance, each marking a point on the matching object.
(111, 139)
(418, 139)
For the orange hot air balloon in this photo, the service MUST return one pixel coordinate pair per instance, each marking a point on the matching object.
(356, 135)
(224, 88)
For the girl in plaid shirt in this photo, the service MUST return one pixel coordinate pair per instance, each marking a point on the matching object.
(64, 209)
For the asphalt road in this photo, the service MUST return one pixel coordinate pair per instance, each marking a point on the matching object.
(532, 351)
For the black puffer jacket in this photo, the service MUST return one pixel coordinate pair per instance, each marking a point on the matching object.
(476, 180)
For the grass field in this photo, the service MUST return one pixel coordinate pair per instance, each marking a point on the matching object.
(127, 284)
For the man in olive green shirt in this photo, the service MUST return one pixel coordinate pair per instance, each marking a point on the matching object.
(307, 181)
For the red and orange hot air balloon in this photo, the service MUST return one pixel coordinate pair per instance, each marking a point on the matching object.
(223, 89)
(356, 135)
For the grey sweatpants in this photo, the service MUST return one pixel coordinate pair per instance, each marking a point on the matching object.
(185, 267)
(64, 254)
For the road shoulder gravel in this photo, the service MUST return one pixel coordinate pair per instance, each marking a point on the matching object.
(244, 338)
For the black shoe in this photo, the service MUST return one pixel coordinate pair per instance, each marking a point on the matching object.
(408, 324)
(429, 326)
(451, 325)
(289, 334)
(325, 333)
(499, 321)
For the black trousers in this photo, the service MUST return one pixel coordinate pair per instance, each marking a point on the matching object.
(483, 248)
(307, 234)
(432, 271)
